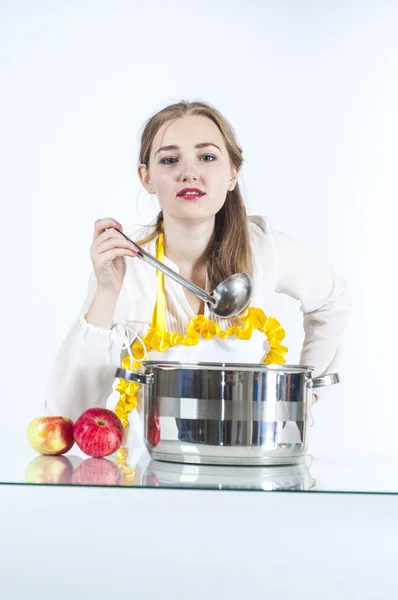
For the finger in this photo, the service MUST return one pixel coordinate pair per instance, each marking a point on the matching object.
(115, 242)
(101, 225)
(109, 257)
(107, 235)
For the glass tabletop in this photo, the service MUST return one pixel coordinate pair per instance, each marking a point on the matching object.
(316, 472)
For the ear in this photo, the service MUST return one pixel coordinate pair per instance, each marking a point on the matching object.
(143, 174)
(234, 178)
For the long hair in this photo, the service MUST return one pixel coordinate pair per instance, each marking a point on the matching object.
(228, 250)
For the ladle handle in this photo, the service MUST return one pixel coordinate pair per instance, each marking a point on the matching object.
(151, 260)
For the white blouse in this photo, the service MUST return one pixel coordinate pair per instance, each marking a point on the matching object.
(84, 368)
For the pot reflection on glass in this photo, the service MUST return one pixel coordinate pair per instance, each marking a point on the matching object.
(231, 414)
(284, 478)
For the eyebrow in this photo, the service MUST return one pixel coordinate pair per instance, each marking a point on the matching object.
(174, 147)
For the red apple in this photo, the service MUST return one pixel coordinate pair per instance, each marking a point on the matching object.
(98, 432)
(49, 469)
(97, 471)
(153, 428)
(51, 435)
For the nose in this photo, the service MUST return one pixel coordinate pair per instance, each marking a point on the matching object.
(189, 171)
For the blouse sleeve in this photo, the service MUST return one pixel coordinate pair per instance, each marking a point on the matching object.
(324, 298)
(82, 376)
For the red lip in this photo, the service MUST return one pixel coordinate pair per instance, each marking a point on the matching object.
(185, 190)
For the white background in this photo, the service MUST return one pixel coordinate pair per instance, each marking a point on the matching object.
(311, 90)
(89, 543)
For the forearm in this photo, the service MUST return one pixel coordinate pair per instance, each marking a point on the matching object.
(83, 372)
(102, 310)
(324, 298)
(324, 332)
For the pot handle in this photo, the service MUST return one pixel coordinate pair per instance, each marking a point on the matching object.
(145, 379)
(329, 379)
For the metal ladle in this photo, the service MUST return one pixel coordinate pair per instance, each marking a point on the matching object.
(230, 297)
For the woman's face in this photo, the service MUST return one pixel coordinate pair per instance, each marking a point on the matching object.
(189, 168)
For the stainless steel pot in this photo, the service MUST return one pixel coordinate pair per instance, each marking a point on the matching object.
(223, 413)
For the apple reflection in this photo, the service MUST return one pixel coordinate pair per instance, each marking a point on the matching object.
(97, 471)
(49, 469)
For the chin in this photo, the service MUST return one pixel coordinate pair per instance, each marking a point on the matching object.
(191, 212)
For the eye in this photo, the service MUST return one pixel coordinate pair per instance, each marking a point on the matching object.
(164, 161)
(208, 157)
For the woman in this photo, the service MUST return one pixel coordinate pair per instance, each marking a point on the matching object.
(190, 159)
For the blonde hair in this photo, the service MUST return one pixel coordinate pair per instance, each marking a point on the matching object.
(228, 251)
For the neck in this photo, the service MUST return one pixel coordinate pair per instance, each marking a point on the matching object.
(185, 242)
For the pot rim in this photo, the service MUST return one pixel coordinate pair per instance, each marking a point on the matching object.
(222, 366)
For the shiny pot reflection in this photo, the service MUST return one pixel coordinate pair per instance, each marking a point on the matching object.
(232, 414)
(287, 478)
